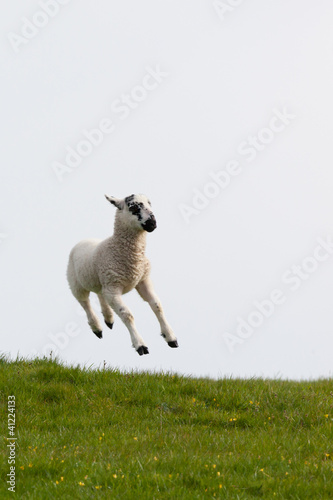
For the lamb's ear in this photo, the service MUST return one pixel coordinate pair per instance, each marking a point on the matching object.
(115, 201)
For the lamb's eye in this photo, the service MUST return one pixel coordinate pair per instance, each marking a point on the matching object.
(135, 210)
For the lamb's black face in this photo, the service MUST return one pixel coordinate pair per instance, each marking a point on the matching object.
(140, 208)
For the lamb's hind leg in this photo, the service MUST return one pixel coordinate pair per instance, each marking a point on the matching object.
(146, 291)
(106, 311)
(82, 296)
(115, 301)
(93, 320)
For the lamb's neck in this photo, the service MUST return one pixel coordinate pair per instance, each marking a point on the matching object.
(132, 240)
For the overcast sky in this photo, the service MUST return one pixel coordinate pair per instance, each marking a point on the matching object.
(221, 113)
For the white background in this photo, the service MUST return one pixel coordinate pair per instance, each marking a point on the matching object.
(226, 75)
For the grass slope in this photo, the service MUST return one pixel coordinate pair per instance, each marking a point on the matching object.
(104, 434)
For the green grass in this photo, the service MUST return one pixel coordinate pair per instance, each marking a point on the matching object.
(85, 433)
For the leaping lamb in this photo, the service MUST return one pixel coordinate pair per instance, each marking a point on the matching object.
(114, 266)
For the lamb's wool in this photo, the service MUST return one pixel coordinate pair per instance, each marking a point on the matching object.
(115, 266)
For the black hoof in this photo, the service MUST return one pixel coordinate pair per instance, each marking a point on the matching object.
(99, 334)
(173, 343)
(142, 350)
(110, 325)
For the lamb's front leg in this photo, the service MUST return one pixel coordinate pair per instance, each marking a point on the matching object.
(118, 305)
(146, 291)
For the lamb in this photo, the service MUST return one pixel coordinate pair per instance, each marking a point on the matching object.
(113, 267)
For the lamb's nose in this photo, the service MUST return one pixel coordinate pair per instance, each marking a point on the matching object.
(150, 224)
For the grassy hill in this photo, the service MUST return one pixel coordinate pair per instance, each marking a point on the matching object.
(105, 434)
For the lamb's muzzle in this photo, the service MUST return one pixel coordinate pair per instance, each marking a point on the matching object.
(150, 224)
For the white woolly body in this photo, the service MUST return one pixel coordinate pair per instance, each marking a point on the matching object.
(114, 266)
(95, 264)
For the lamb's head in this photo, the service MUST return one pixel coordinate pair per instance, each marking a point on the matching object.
(135, 211)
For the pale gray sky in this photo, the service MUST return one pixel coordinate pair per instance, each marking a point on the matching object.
(222, 115)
